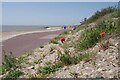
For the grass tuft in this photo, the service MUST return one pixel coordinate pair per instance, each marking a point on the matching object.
(66, 59)
(13, 75)
(10, 65)
(9, 62)
(49, 68)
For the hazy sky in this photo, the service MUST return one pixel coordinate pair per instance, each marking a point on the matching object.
(49, 13)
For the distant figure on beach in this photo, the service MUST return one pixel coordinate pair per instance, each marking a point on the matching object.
(65, 27)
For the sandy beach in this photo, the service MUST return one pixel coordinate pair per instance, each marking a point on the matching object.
(19, 43)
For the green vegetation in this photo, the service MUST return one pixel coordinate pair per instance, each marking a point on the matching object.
(55, 40)
(91, 37)
(80, 27)
(0, 69)
(88, 39)
(65, 32)
(66, 59)
(101, 13)
(49, 68)
(13, 75)
(115, 14)
(9, 62)
(10, 65)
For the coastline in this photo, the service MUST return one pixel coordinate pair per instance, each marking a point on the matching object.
(7, 35)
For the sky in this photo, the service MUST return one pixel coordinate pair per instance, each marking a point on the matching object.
(49, 13)
(59, 0)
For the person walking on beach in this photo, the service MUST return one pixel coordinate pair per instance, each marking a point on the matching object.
(64, 27)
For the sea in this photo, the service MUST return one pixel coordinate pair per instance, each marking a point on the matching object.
(12, 28)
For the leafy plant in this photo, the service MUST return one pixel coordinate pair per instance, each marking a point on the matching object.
(13, 75)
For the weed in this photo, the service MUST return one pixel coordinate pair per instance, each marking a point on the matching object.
(10, 65)
(49, 68)
(86, 57)
(13, 75)
(9, 62)
(66, 59)
(21, 59)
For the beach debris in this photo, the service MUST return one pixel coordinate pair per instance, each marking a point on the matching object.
(62, 40)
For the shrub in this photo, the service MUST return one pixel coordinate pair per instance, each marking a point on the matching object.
(101, 13)
(66, 59)
(91, 36)
(115, 14)
(89, 39)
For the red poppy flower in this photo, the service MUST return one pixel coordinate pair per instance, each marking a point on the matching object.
(62, 40)
(102, 34)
